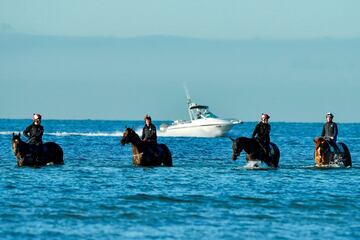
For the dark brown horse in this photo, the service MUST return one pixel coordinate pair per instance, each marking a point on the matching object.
(255, 152)
(145, 155)
(325, 155)
(48, 153)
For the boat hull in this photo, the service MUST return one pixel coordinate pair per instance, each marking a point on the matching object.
(219, 128)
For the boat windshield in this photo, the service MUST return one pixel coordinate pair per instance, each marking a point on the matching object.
(201, 112)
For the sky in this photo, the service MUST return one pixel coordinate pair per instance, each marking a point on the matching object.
(295, 60)
(225, 19)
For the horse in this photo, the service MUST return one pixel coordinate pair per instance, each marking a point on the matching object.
(48, 153)
(143, 153)
(325, 155)
(255, 151)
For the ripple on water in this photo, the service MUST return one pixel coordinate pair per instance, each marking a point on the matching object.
(99, 194)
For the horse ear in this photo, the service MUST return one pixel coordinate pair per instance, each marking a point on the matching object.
(13, 134)
(232, 139)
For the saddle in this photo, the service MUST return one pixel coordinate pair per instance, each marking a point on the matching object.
(159, 150)
(35, 153)
(335, 147)
(271, 150)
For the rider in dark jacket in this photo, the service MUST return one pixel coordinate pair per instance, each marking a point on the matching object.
(330, 131)
(149, 132)
(35, 132)
(149, 136)
(262, 133)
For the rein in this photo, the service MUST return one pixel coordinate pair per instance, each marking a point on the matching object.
(138, 155)
(326, 151)
(17, 149)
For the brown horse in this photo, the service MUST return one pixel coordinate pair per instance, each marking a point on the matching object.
(325, 155)
(48, 153)
(144, 154)
(255, 151)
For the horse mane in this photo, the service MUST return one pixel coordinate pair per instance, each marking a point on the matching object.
(244, 140)
(17, 136)
(131, 130)
(23, 146)
(319, 141)
(133, 133)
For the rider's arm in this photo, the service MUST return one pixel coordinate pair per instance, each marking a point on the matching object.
(335, 131)
(268, 135)
(143, 134)
(27, 132)
(255, 131)
(323, 131)
(154, 136)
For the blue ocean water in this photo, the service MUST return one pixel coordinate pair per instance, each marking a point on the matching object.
(99, 194)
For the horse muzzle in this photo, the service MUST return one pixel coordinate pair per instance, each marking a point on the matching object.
(123, 142)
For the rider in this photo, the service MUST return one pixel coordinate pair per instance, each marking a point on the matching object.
(35, 132)
(330, 131)
(149, 135)
(262, 133)
(149, 131)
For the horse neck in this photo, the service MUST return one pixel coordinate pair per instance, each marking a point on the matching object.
(323, 158)
(23, 148)
(246, 144)
(136, 144)
(327, 151)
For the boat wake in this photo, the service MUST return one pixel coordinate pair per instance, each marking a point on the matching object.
(84, 134)
(87, 134)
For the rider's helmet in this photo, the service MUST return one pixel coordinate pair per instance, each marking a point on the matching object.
(329, 114)
(36, 116)
(265, 116)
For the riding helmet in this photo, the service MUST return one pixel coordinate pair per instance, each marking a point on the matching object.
(329, 114)
(264, 115)
(36, 116)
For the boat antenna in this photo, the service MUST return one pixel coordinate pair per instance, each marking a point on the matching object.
(187, 94)
(188, 101)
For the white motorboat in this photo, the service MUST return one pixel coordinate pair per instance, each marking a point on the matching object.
(203, 123)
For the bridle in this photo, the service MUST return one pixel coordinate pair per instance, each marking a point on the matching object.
(237, 150)
(125, 139)
(325, 152)
(16, 144)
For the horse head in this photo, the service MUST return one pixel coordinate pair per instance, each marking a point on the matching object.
(18, 147)
(322, 147)
(15, 143)
(128, 136)
(237, 147)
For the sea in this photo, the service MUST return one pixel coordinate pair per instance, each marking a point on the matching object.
(99, 194)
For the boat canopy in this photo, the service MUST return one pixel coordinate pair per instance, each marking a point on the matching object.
(199, 106)
(200, 112)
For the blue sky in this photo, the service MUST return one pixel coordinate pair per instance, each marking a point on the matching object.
(295, 60)
(226, 19)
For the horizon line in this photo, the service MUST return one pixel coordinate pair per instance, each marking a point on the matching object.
(181, 37)
(121, 120)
